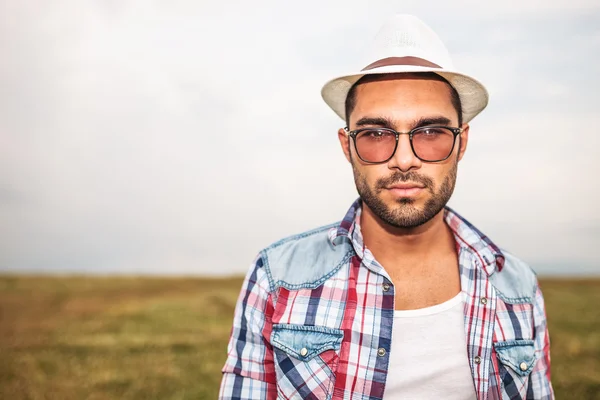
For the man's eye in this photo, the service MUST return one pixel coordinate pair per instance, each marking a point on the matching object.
(374, 134)
(432, 131)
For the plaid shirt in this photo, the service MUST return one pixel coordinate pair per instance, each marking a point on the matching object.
(328, 336)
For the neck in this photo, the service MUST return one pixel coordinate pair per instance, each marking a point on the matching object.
(389, 244)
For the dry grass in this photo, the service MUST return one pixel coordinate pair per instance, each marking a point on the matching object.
(573, 308)
(151, 338)
(113, 338)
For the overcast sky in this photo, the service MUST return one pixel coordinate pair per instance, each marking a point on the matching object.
(184, 136)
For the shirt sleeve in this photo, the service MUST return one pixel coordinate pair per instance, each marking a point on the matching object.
(540, 386)
(249, 371)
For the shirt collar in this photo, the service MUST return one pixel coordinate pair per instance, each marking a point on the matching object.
(467, 237)
(473, 240)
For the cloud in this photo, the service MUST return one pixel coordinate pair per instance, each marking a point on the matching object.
(184, 137)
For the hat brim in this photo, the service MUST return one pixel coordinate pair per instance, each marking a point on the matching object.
(473, 95)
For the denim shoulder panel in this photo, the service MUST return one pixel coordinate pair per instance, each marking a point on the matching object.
(305, 260)
(516, 282)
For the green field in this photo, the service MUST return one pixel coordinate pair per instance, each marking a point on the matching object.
(159, 338)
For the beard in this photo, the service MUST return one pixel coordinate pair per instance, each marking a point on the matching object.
(404, 213)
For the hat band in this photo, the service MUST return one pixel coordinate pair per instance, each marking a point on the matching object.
(414, 61)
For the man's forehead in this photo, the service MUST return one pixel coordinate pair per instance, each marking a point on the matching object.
(403, 98)
(405, 89)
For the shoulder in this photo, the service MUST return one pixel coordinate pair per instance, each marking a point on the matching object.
(304, 260)
(512, 278)
(515, 282)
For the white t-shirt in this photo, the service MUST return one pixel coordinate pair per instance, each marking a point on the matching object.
(428, 358)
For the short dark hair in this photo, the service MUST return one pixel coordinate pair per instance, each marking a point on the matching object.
(351, 98)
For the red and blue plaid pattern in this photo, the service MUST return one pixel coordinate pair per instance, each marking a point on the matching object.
(353, 301)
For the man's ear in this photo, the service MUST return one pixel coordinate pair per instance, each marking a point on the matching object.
(464, 140)
(344, 142)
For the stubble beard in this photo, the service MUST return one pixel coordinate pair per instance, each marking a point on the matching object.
(404, 213)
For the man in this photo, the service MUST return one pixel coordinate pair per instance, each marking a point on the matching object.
(403, 299)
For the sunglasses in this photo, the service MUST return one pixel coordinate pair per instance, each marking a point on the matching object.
(428, 143)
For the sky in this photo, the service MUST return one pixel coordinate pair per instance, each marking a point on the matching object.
(182, 137)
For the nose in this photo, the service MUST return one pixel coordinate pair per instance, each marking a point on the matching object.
(404, 158)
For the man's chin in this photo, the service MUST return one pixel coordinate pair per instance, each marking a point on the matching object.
(405, 201)
(405, 204)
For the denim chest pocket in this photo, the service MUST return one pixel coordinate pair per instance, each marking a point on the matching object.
(516, 361)
(306, 359)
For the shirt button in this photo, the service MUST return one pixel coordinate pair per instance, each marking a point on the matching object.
(304, 352)
(523, 366)
(385, 287)
(484, 300)
(477, 360)
(381, 352)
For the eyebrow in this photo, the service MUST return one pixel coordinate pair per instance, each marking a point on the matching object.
(387, 123)
(425, 121)
(378, 121)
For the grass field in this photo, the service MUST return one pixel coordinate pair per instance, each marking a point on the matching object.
(151, 338)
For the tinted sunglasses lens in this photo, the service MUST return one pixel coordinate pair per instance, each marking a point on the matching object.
(375, 145)
(433, 144)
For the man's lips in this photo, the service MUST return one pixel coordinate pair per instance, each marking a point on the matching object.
(406, 185)
(406, 189)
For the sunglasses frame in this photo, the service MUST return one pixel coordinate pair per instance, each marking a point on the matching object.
(354, 133)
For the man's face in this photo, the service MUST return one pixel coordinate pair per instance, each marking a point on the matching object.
(404, 192)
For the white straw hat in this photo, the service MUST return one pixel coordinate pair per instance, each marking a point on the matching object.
(406, 44)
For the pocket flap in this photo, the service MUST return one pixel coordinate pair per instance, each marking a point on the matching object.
(517, 354)
(304, 342)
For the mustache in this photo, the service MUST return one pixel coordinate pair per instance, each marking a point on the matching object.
(399, 176)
